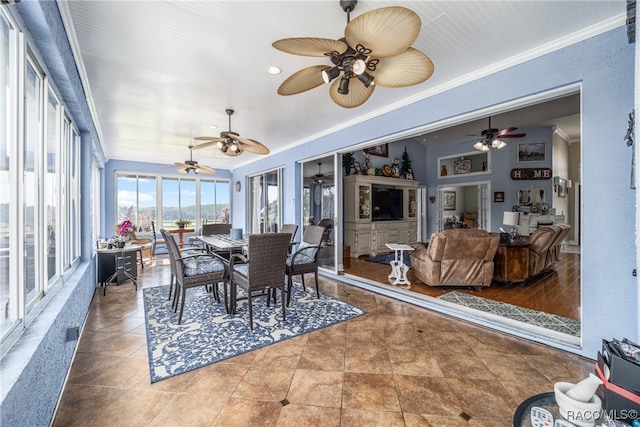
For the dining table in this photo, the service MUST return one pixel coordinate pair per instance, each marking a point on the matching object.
(181, 232)
(222, 243)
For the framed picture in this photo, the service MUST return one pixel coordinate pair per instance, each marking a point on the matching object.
(498, 196)
(462, 166)
(449, 202)
(532, 152)
(378, 150)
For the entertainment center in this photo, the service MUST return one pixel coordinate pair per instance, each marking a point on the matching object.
(379, 210)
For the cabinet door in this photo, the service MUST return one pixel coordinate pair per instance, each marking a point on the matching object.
(364, 202)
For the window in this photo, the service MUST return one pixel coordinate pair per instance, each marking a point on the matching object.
(141, 197)
(265, 201)
(40, 172)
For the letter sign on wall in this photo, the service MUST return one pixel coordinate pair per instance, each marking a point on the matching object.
(520, 174)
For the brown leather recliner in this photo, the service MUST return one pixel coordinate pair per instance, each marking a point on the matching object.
(540, 242)
(458, 257)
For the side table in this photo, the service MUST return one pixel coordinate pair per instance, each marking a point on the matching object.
(511, 263)
(398, 267)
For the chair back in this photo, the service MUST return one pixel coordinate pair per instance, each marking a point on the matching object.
(311, 240)
(153, 230)
(291, 229)
(172, 249)
(267, 255)
(210, 229)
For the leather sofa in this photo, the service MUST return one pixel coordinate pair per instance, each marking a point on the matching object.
(457, 257)
(544, 247)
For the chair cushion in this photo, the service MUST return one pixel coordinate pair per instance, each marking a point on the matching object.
(311, 252)
(300, 260)
(198, 265)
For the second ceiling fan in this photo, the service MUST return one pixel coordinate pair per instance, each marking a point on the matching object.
(493, 138)
(231, 143)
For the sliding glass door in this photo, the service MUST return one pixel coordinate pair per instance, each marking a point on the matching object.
(265, 202)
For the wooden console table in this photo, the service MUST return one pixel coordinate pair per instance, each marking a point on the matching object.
(511, 263)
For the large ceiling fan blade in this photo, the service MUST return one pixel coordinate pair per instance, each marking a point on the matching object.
(358, 93)
(310, 46)
(513, 135)
(387, 31)
(252, 146)
(182, 165)
(207, 144)
(406, 69)
(206, 138)
(206, 169)
(302, 81)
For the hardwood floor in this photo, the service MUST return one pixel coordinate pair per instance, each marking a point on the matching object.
(556, 291)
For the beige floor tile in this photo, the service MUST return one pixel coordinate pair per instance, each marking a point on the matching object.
(373, 392)
(265, 383)
(316, 388)
(363, 418)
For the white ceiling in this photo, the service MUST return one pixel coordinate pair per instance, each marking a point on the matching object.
(158, 73)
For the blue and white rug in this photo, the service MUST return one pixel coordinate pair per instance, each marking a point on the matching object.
(208, 334)
(532, 317)
(386, 259)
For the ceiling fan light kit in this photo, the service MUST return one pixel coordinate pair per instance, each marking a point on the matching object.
(192, 165)
(492, 138)
(375, 51)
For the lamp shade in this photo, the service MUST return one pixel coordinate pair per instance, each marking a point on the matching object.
(511, 218)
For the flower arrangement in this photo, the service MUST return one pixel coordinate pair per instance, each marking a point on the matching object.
(125, 228)
(182, 223)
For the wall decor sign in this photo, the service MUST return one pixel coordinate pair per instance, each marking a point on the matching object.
(498, 196)
(449, 202)
(462, 166)
(532, 152)
(378, 150)
(525, 174)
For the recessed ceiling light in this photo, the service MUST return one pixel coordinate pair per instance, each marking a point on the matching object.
(213, 126)
(274, 69)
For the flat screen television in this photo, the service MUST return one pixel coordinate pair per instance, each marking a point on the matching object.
(386, 203)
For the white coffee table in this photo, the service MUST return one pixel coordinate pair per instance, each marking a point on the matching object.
(398, 267)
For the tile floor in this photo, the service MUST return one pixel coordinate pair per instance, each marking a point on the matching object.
(399, 365)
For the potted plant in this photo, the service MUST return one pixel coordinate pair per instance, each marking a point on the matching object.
(182, 223)
(348, 162)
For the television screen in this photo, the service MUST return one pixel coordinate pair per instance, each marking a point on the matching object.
(386, 203)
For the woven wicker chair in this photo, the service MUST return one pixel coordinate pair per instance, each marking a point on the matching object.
(208, 230)
(156, 241)
(262, 269)
(306, 258)
(193, 269)
(291, 229)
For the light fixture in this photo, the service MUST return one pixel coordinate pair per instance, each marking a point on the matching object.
(319, 177)
(328, 74)
(352, 63)
(344, 86)
(274, 69)
(512, 219)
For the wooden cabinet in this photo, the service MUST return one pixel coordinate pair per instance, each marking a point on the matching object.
(511, 263)
(362, 232)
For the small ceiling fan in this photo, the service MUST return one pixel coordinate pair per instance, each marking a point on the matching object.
(493, 138)
(376, 50)
(192, 165)
(231, 143)
(319, 177)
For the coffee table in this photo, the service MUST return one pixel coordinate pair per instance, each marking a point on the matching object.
(398, 267)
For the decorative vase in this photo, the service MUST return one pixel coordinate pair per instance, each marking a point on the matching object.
(120, 244)
(181, 226)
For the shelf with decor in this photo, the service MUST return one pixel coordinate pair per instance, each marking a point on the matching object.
(472, 163)
(378, 210)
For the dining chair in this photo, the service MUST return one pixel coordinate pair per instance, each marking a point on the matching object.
(157, 242)
(192, 270)
(292, 229)
(306, 258)
(263, 268)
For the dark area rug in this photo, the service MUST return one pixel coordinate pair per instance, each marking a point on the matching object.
(532, 317)
(386, 259)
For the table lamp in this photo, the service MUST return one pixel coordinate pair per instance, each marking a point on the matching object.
(512, 219)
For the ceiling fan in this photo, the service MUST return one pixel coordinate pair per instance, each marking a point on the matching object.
(376, 50)
(493, 138)
(319, 177)
(192, 165)
(232, 144)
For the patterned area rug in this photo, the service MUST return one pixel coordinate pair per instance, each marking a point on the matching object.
(208, 335)
(533, 317)
(386, 259)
